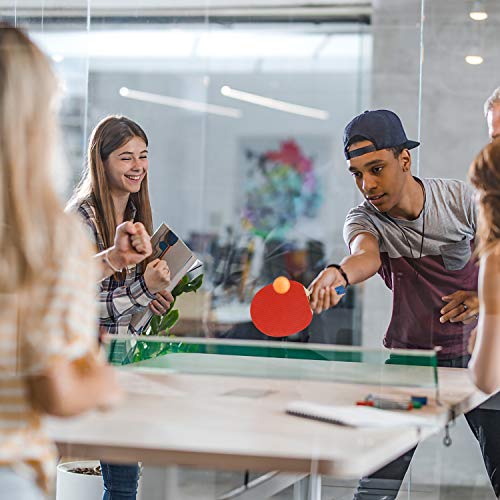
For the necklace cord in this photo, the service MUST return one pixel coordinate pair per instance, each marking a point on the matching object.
(412, 263)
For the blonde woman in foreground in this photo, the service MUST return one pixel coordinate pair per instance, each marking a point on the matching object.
(484, 174)
(48, 320)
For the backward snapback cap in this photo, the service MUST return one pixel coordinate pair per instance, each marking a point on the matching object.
(381, 127)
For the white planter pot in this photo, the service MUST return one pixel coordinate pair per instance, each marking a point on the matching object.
(72, 486)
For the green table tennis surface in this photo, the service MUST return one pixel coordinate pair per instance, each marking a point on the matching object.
(282, 360)
(292, 368)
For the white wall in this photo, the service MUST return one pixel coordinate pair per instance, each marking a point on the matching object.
(194, 172)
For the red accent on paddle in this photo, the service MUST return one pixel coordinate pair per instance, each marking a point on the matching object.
(281, 314)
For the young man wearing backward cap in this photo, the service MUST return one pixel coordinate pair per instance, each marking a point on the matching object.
(418, 234)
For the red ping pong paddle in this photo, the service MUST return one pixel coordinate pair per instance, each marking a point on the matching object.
(281, 309)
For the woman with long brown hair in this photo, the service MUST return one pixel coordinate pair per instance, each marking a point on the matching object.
(484, 174)
(48, 361)
(114, 189)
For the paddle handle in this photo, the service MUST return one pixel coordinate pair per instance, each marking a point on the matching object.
(339, 289)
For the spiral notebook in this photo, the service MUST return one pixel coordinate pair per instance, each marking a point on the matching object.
(356, 416)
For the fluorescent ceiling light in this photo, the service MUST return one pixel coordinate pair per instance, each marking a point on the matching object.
(474, 60)
(267, 102)
(175, 102)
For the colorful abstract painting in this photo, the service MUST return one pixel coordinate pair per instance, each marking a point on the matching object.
(281, 185)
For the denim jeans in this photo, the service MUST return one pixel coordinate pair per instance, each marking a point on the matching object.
(16, 487)
(384, 484)
(120, 481)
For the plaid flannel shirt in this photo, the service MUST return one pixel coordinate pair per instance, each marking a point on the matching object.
(122, 303)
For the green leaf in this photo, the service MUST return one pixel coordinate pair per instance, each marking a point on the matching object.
(169, 320)
(164, 320)
(179, 288)
(136, 353)
(155, 323)
(196, 283)
(193, 285)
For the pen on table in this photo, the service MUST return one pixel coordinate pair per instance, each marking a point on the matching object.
(385, 405)
(416, 401)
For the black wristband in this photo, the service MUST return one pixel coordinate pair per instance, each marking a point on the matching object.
(341, 271)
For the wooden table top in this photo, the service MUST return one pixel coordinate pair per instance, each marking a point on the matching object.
(239, 423)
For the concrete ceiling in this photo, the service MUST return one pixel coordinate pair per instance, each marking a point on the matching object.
(226, 8)
(173, 4)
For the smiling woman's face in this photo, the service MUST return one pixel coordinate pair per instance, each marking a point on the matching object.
(127, 166)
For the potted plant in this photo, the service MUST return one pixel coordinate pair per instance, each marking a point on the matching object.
(161, 325)
(132, 351)
(81, 480)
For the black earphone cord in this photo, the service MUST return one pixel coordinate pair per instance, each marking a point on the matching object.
(417, 274)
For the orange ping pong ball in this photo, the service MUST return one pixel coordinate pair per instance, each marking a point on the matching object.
(281, 285)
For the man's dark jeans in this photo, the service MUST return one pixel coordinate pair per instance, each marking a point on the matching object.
(120, 481)
(384, 484)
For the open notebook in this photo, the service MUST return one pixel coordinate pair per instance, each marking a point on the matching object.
(356, 416)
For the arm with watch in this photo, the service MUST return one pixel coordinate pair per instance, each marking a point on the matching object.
(328, 288)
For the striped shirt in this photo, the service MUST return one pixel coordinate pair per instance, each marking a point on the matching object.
(122, 303)
(66, 326)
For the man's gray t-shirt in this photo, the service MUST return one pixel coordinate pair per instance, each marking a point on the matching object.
(419, 283)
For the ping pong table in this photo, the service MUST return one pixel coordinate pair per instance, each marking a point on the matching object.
(222, 405)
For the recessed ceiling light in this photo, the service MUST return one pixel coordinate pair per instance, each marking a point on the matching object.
(57, 58)
(478, 16)
(474, 60)
(478, 12)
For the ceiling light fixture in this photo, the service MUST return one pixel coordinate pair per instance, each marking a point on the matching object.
(474, 60)
(267, 102)
(175, 102)
(478, 12)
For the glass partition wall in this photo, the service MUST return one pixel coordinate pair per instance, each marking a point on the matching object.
(244, 111)
(244, 108)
